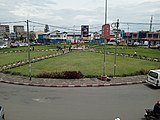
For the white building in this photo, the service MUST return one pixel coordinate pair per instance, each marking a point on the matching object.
(56, 35)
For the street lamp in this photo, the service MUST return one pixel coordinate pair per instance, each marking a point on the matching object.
(104, 76)
(116, 31)
(115, 54)
(106, 12)
(128, 33)
(29, 58)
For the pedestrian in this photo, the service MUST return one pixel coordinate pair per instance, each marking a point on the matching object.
(70, 48)
(156, 109)
(117, 119)
(135, 53)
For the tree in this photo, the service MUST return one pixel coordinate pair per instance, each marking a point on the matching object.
(46, 29)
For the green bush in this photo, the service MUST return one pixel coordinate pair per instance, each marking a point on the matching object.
(50, 75)
(72, 75)
(61, 75)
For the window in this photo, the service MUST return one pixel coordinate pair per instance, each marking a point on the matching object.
(149, 35)
(155, 35)
(153, 74)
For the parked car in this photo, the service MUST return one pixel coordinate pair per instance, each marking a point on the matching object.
(153, 78)
(2, 113)
(112, 42)
(146, 43)
(23, 44)
(136, 43)
(3, 46)
(158, 46)
(14, 45)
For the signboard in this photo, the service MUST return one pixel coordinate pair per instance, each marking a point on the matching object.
(106, 31)
(84, 30)
(127, 34)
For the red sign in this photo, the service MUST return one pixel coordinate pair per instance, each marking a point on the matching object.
(106, 31)
(127, 34)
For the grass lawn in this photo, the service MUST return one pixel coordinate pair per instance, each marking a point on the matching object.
(153, 53)
(25, 48)
(89, 63)
(14, 57)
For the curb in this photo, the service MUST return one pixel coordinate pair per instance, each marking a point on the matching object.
(71, 85)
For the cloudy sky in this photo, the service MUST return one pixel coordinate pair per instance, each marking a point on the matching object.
(77, 12)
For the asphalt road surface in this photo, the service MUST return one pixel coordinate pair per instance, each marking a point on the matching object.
(96, 103)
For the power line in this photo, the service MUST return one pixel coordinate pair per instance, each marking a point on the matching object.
(54, 26)
(77, 28)
(134, 23)
(12, 22)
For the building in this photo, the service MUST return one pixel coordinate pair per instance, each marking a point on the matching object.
(19, 30)
(135, 37)
(4, 31)
(74, 37)
(4, 28)
(57, 35)
(20, 33)
(96, 36)
(153, 38)
(4, 34)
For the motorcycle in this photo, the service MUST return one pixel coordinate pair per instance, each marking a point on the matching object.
(150, 115)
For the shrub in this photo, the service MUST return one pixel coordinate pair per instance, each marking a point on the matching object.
(61, 75)
(143, 72)
(50, 75)
(72, 75)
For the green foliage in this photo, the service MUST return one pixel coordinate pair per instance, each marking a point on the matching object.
(50, 75)
(72, 75)
(89, 63)
(62, 75)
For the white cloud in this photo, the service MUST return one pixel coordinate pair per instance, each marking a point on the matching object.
(87, 19)
(75, 12)
(24, 9)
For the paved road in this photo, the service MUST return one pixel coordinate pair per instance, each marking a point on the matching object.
(96, 103)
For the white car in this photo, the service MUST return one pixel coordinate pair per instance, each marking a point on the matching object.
(3, 46)
(136, 43)
(2, 113)
(153, 77)
(112, 42)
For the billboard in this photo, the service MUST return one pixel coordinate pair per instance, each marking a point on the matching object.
(106, 31)
(84, 30)
(127, 34)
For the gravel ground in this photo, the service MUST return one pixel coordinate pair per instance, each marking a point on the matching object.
(85, 82)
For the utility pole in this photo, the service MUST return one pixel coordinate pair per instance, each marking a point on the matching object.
(150, 30)
(104, 77)
(74, 33)
(128, 34)
(106, 11)
(115, 54)
(29, 58)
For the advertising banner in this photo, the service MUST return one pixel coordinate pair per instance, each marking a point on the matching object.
(106, 31)
(127, 34)
(84, 30)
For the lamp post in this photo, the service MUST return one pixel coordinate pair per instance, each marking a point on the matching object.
(29, 58)
(106, 12)
(104, 76)
(128, 34)
(115, 54)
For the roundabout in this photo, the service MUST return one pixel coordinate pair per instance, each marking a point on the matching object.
(84, 82)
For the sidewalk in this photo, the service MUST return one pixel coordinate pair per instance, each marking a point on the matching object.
(85, 82)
